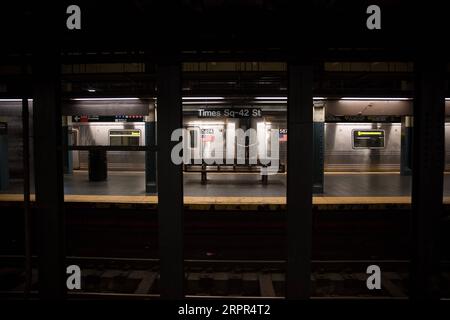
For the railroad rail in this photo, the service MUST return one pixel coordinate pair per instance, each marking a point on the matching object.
(128, 278)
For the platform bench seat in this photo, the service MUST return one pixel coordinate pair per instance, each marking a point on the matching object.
(204, 168)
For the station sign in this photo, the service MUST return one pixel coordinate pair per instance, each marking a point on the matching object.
(125, 133)
(120, 118)
(208, 135)
(230, 113)
(368, 139)
(282, 135)
(363, 118)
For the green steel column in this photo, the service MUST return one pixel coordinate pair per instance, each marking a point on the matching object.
(150, 157)
(318, 145)
(406, 146)
(67, 154)
(4, 168)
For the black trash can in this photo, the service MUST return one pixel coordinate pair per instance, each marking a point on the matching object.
(98, 167)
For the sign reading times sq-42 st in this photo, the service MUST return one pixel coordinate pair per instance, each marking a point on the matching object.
(230, 113)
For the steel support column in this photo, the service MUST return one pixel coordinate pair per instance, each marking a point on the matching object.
(427, 179)
(318, 160)
(150, 156)
(170, 182)
(4, 166)
(66, 131)
(26, 195)
(299, 181)
(406, 146)
(49, 174)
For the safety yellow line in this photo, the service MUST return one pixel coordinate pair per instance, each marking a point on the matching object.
(188, 200)
(219, 200)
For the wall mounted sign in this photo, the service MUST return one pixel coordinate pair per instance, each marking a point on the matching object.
(282, 135)
(368, 139)
(107, 118)
(230, 113)
(362, 118)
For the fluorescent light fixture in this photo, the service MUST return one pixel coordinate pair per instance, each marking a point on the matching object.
(103, 99)
(201, 102)
(364, 98)
(270, 98)
(447, 99)
(272, 101)
(13, 100)
(203, 98)
(205, 123)
(284, 98)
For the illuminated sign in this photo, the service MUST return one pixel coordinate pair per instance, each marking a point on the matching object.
(119, 118)
(368, 139)
(230, 113)
(124, 133)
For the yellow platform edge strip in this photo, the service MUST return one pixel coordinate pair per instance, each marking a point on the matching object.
(228, 201)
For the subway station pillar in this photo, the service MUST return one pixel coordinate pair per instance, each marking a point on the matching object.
(48, 171)
(150, 157)
(427, 177)
(406, 146)
(4, 167)
(66, 141)
(299, 180)
(318, 160)
(170, 182)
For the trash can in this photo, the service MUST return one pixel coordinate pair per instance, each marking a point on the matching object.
(98, 167)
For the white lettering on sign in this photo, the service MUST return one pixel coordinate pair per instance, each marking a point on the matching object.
(230, 113)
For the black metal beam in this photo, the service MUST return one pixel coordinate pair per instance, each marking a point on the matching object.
(26, 195)
(49, 175)
(150, 157)
(428, 178)
(299, 181)
(170, 182)
(121, 54)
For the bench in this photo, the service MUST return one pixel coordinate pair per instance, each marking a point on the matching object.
(204, 168)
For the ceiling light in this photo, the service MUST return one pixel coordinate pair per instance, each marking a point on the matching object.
(364, 98)
(203, 98)
(103, 99)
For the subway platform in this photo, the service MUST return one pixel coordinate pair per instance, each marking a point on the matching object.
(240, 188)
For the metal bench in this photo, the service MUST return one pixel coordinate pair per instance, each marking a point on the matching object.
(204, 168)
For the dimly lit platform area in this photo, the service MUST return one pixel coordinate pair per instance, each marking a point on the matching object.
(239, 185)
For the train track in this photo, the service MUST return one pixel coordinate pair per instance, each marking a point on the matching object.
(127, 278)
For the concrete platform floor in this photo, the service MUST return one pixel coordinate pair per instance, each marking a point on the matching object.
(238, 185)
